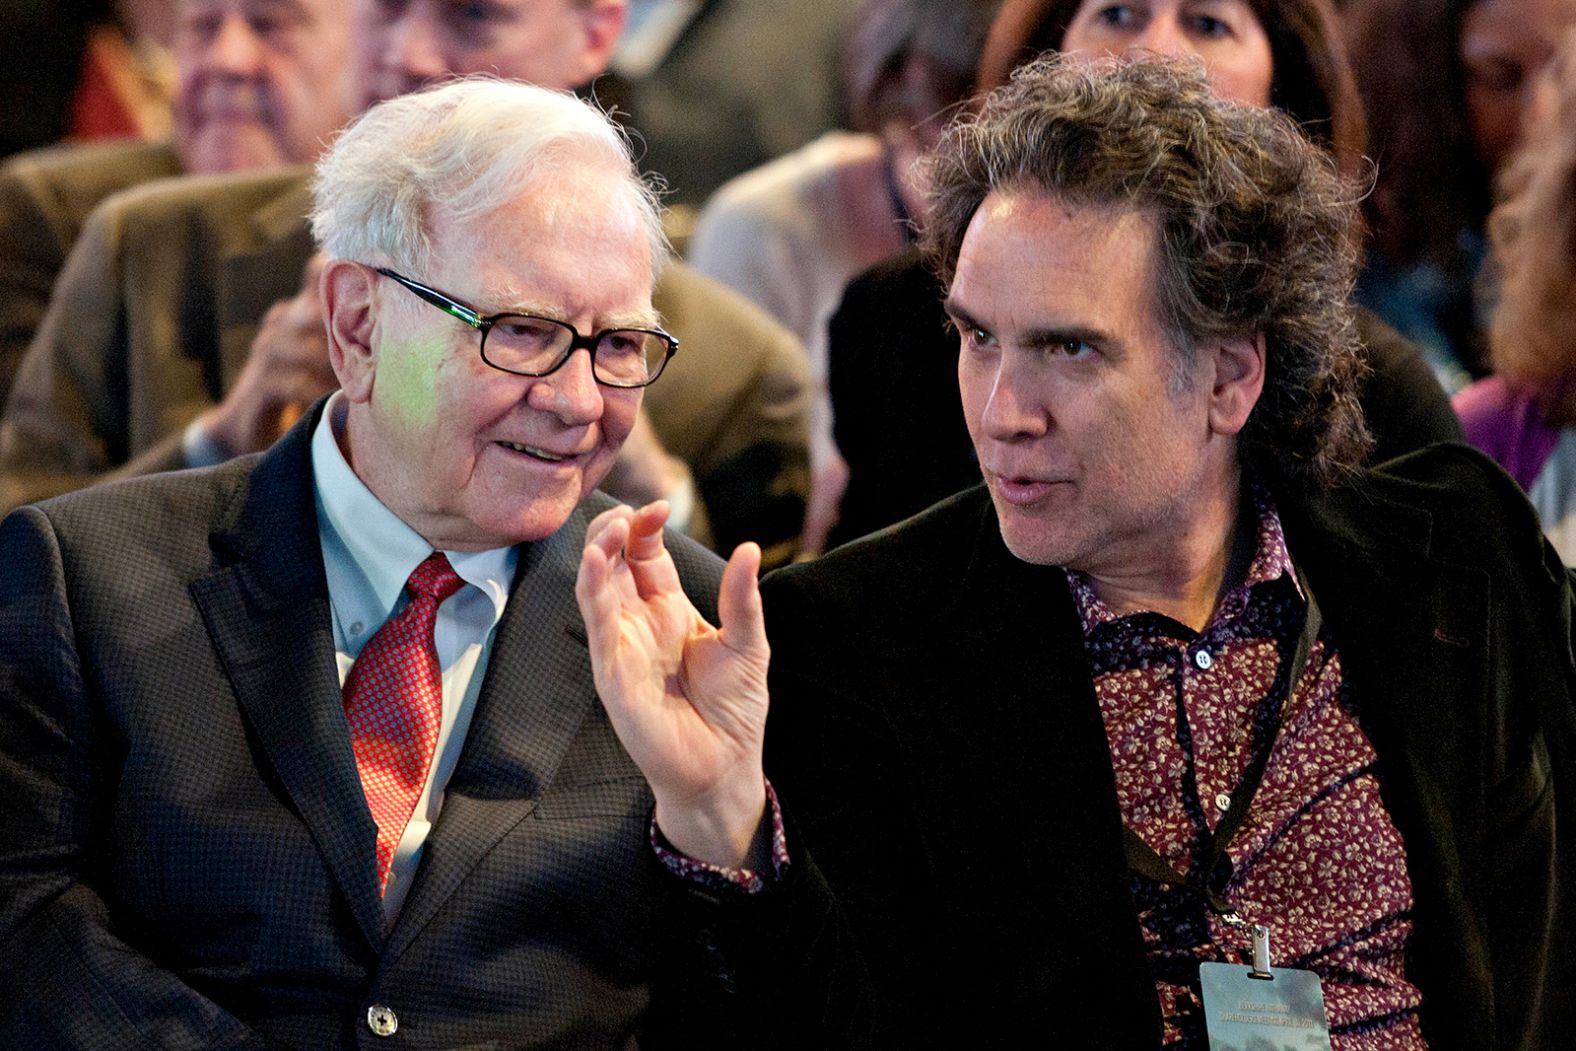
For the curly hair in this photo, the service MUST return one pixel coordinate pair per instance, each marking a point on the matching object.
(1312, 80)
(1533, 336)
(1257, 229)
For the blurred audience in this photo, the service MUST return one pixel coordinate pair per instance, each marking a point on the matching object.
(717, 87)
(42, 44)
(261, 83)
(1525, 414)
(892, 361)
(1445, 83)
(187, 325)
(790, 235)
(127, 81)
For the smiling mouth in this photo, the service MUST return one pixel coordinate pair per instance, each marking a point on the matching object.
(533, 451)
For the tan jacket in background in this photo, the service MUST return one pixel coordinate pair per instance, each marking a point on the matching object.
(45, 197)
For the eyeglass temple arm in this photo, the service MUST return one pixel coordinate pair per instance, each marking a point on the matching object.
(436, 298)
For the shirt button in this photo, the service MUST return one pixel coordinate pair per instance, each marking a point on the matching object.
(1222, 802)
(1203, 660)
(382, 1020)
(356, 628)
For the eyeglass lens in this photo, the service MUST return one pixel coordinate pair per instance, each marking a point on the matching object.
(520, 343)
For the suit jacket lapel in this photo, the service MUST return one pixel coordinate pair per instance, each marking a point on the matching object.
(536, 694)
(265, 268)
(1413, 633)
(1391, 606)
(266, 608)
(1023, 707)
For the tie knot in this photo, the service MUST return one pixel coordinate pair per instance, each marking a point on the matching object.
(434, 578)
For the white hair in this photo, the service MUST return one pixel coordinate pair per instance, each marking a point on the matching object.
(468, 144)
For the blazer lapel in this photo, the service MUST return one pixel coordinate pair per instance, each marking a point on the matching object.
(266, 608)
(1413, 633)
(536, 694)
(266, 267)
(1022, 706)
(1390, 607)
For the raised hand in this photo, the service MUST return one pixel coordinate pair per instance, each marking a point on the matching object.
(688, 700)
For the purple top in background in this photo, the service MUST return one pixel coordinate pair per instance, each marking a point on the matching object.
(1507, 426)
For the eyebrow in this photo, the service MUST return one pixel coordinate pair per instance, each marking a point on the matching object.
(524, 304)
(1041, 336)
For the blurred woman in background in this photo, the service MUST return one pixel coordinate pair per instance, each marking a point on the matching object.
(791, 233)
(1445, 83)
(1525, 414)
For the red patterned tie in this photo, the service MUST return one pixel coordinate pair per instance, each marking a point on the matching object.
(394, 701)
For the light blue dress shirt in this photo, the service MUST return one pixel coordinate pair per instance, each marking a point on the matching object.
(368, 554)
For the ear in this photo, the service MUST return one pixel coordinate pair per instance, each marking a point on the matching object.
(348, 298)
(602, 23)
(1238, 380)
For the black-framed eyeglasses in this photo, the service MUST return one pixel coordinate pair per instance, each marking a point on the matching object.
(528, 345)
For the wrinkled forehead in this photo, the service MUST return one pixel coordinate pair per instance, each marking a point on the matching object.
(562, 244)
(573, 191)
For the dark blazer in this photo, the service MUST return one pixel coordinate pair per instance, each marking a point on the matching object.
(186, 856)
(959, 875)
(744, 82)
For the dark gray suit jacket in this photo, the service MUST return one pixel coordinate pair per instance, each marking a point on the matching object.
(186, 856)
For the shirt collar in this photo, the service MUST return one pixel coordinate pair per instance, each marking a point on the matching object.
(377, 541)
(1271, 561)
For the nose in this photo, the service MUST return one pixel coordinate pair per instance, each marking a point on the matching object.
(1015, 409)
(236, 49)
(413, 46)
(1163, 35)
(571, 392)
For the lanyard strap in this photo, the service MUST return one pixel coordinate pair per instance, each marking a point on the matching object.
(1146, 861)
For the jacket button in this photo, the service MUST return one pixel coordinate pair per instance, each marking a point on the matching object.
(382, 1020)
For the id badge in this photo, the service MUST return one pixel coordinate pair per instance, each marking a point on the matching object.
(1284, 1012)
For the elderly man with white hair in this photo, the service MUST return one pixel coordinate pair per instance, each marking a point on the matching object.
(181, 332)
(303, 750)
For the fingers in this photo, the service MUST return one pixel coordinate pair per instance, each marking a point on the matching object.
(645, 531)
(632, 540)
(739, 602)
(595, 590)
(312, 274)
(647, 554)
(610, 530)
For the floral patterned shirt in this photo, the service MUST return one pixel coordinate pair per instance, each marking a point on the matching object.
(1317, 858)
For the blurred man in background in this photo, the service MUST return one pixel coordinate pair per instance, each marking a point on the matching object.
(260, 84)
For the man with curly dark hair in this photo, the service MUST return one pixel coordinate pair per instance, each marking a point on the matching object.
(1053, 750)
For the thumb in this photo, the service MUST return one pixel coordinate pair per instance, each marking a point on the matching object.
(739, 602)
